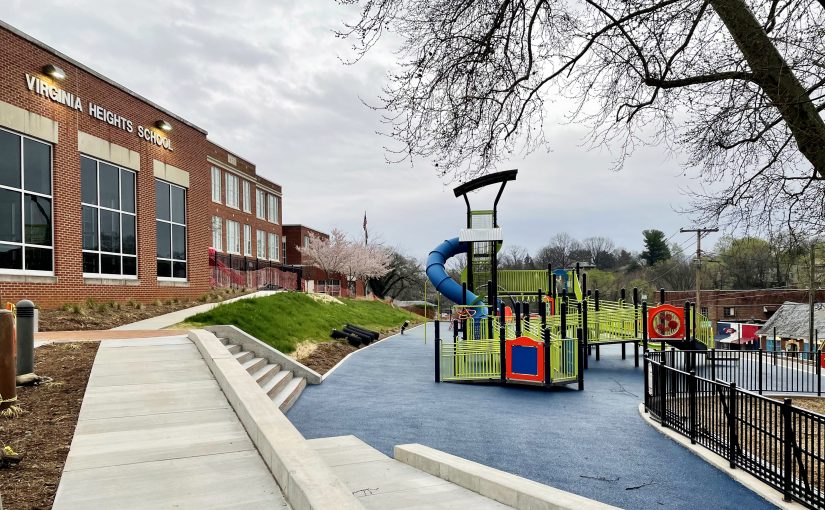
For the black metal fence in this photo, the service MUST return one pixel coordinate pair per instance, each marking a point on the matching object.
(754, 370)
(776, 442)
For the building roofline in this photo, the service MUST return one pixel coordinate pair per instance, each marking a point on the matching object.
(304, 226)
(94, 73)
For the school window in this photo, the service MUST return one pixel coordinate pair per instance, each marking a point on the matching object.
(170, 206)
(729, 311)
(260, 204)
(216, 185)
(247, 197)
(272, 208)
(231, 190)
(306, 241)
(25, 205)
(273, 247)
(233, 237)
(261, 240)
(217, 233)
(247, 240)
(109, 219)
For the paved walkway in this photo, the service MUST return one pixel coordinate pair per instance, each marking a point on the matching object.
(382, 483)
(155, 431)
(592, 443)
(170, 319)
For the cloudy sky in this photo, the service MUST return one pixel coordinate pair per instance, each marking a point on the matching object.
(266, 80)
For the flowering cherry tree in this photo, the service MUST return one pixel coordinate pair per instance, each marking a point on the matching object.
(352, 259)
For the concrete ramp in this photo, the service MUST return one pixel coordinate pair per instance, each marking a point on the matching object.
(380, 482)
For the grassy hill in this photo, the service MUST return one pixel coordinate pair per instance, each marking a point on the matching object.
(284, 320)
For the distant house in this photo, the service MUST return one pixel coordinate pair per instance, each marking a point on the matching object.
(789, 330)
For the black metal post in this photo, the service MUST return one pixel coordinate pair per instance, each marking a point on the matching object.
(578, 269)
(502, 337)
(464, 293)
(635, 354)
(732, 421)
(542, 309)
(582, 309)
(491, 309)
(622, 295)
(526, 311)
(760, 371)
(551, 281)
(518, 318)
(636, 314)
(663, 391)
(687, 321)
(437, 351)
(644, 324)
(547, 371)
(582, 358)
(584, 284)
(787, 450)
(662, 296)
(648, 383)
(563, 319)
(713, 363)
(692, 405)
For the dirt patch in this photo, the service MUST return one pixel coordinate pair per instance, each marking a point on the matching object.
(815, 404)
(44, 432)
(93, 315)
(326, 355)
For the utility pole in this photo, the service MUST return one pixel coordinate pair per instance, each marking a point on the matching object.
(699, 233)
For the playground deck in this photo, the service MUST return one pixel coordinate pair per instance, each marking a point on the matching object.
(591, 443)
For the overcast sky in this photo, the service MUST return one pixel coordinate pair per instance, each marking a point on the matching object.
(266, 81)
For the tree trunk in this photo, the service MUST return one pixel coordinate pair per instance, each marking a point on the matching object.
(778, 81)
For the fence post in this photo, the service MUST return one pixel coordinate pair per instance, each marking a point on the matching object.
(760, 371)
(502, 337)
(437, 351)
(648, 382)
(692, 405)
(732, 419)
(713, 363)
(542, 309)
(662, 296)
(583, 321)
(582, 357)
(517, 313)
(787, 442)
(636, 314)
(818, 362)
(663, 391)
(644, 323)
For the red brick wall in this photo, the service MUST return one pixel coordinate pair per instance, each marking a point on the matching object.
(747, 304)
(295, 239)
(191, 147)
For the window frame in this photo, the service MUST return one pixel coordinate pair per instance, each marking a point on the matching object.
(121, 212)
(217, 196)
(219, 223)
(173, 223)
(247, 240)
(246, 189)
(230, 248)
(260, 244)
(260, 205)
(272, 208)
(273, 246)
(22, 190)
(233, 191)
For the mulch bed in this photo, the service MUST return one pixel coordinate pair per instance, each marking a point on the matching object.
(106, 315)
(44, 432)
(327, 354)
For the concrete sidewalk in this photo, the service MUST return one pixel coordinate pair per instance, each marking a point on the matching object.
(156, 431)
(170, 319)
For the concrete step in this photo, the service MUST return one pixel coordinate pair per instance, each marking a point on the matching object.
(224, 341)
(287, 396)
(244, 356)
(254, 365)
(277, 383)
(234, 349)
(263, 375)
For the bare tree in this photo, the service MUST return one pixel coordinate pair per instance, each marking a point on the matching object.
(562, 251)
(601, 251)
(737, 86)
(515, 257)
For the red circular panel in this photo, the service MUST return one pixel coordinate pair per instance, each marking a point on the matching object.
(666, 323)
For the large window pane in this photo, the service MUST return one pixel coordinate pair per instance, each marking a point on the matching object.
(37, 167)
(178, 242)
(109, 186)
(11, 257)
(109, 231)
(127, 191)
(128, 234)
(88, 180)
(162, 200)
(110, 264)
(91, 263)
(90, 231)
(178, 205)
(130, 266)
(164, 241)
(10, 224)
(179, 270)
(38, 220)
(38, 259)
(164, 268)
(9, 159)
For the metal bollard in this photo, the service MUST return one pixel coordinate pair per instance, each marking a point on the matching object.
(8, 373)
(25, 336)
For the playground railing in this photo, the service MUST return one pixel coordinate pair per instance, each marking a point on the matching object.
(773, 440)
(564, 359)
(464, 360)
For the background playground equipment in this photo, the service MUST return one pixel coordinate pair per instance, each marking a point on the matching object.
(494, 342)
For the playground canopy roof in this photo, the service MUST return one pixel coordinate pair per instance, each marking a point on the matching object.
(791, 321)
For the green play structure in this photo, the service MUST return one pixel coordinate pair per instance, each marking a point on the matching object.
(538, 326)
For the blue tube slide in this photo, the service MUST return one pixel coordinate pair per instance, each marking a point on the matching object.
(448, 287)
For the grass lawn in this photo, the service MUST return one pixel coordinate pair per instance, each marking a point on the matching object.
(286, 319)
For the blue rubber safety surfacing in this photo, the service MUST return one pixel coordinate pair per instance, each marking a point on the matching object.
(592, 443)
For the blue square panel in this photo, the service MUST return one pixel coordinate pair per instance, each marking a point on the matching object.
(525, 360)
